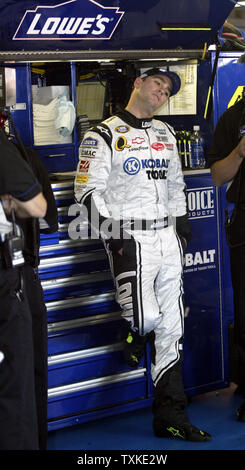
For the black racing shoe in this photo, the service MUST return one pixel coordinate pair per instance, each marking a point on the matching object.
(134, 348)
(241, 412)
(186, 431)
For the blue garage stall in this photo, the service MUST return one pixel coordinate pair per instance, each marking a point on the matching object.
(95, 43)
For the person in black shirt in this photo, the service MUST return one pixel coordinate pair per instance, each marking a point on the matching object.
(31, 229)
(226, 159)
(19, 191)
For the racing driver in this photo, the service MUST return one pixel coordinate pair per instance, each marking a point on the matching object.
(130, 180)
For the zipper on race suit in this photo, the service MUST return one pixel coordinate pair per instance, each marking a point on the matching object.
(157, 194)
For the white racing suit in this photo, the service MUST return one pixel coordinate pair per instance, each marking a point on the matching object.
(129, 172)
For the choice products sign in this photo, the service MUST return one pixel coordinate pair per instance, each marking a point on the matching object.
(200, 202)
(75, 19)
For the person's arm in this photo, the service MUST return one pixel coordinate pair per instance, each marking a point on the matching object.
(49, 223)
(19, 188)
(177, 198)
(92, 175)
(224, 170)
(35, 207)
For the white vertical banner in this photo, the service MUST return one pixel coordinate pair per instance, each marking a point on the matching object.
(185, 102)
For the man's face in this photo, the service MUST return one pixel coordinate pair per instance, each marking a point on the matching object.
(156, 90)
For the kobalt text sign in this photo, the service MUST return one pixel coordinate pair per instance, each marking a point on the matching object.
(75, 19)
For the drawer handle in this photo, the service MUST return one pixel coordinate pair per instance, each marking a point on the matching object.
(99, 382)
(56, 155)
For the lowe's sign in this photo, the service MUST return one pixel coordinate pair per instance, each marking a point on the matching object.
(75, 19)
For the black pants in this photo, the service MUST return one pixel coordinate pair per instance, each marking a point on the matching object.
(18, 421)
(169, 398)
(237, 260)
(39, 328)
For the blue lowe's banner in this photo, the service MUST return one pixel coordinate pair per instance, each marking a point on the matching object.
(75, 19)
(27, 25)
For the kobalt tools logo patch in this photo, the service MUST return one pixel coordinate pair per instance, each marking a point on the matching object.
(153, 168)
(75, 19)
(132, 166)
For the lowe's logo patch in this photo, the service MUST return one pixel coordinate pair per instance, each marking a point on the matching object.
(74, 19)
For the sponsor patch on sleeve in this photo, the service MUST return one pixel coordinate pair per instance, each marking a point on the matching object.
(90, 142)
(80, 178)
(84, 166)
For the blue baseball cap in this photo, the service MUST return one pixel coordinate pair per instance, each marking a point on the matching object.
(174, 77)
